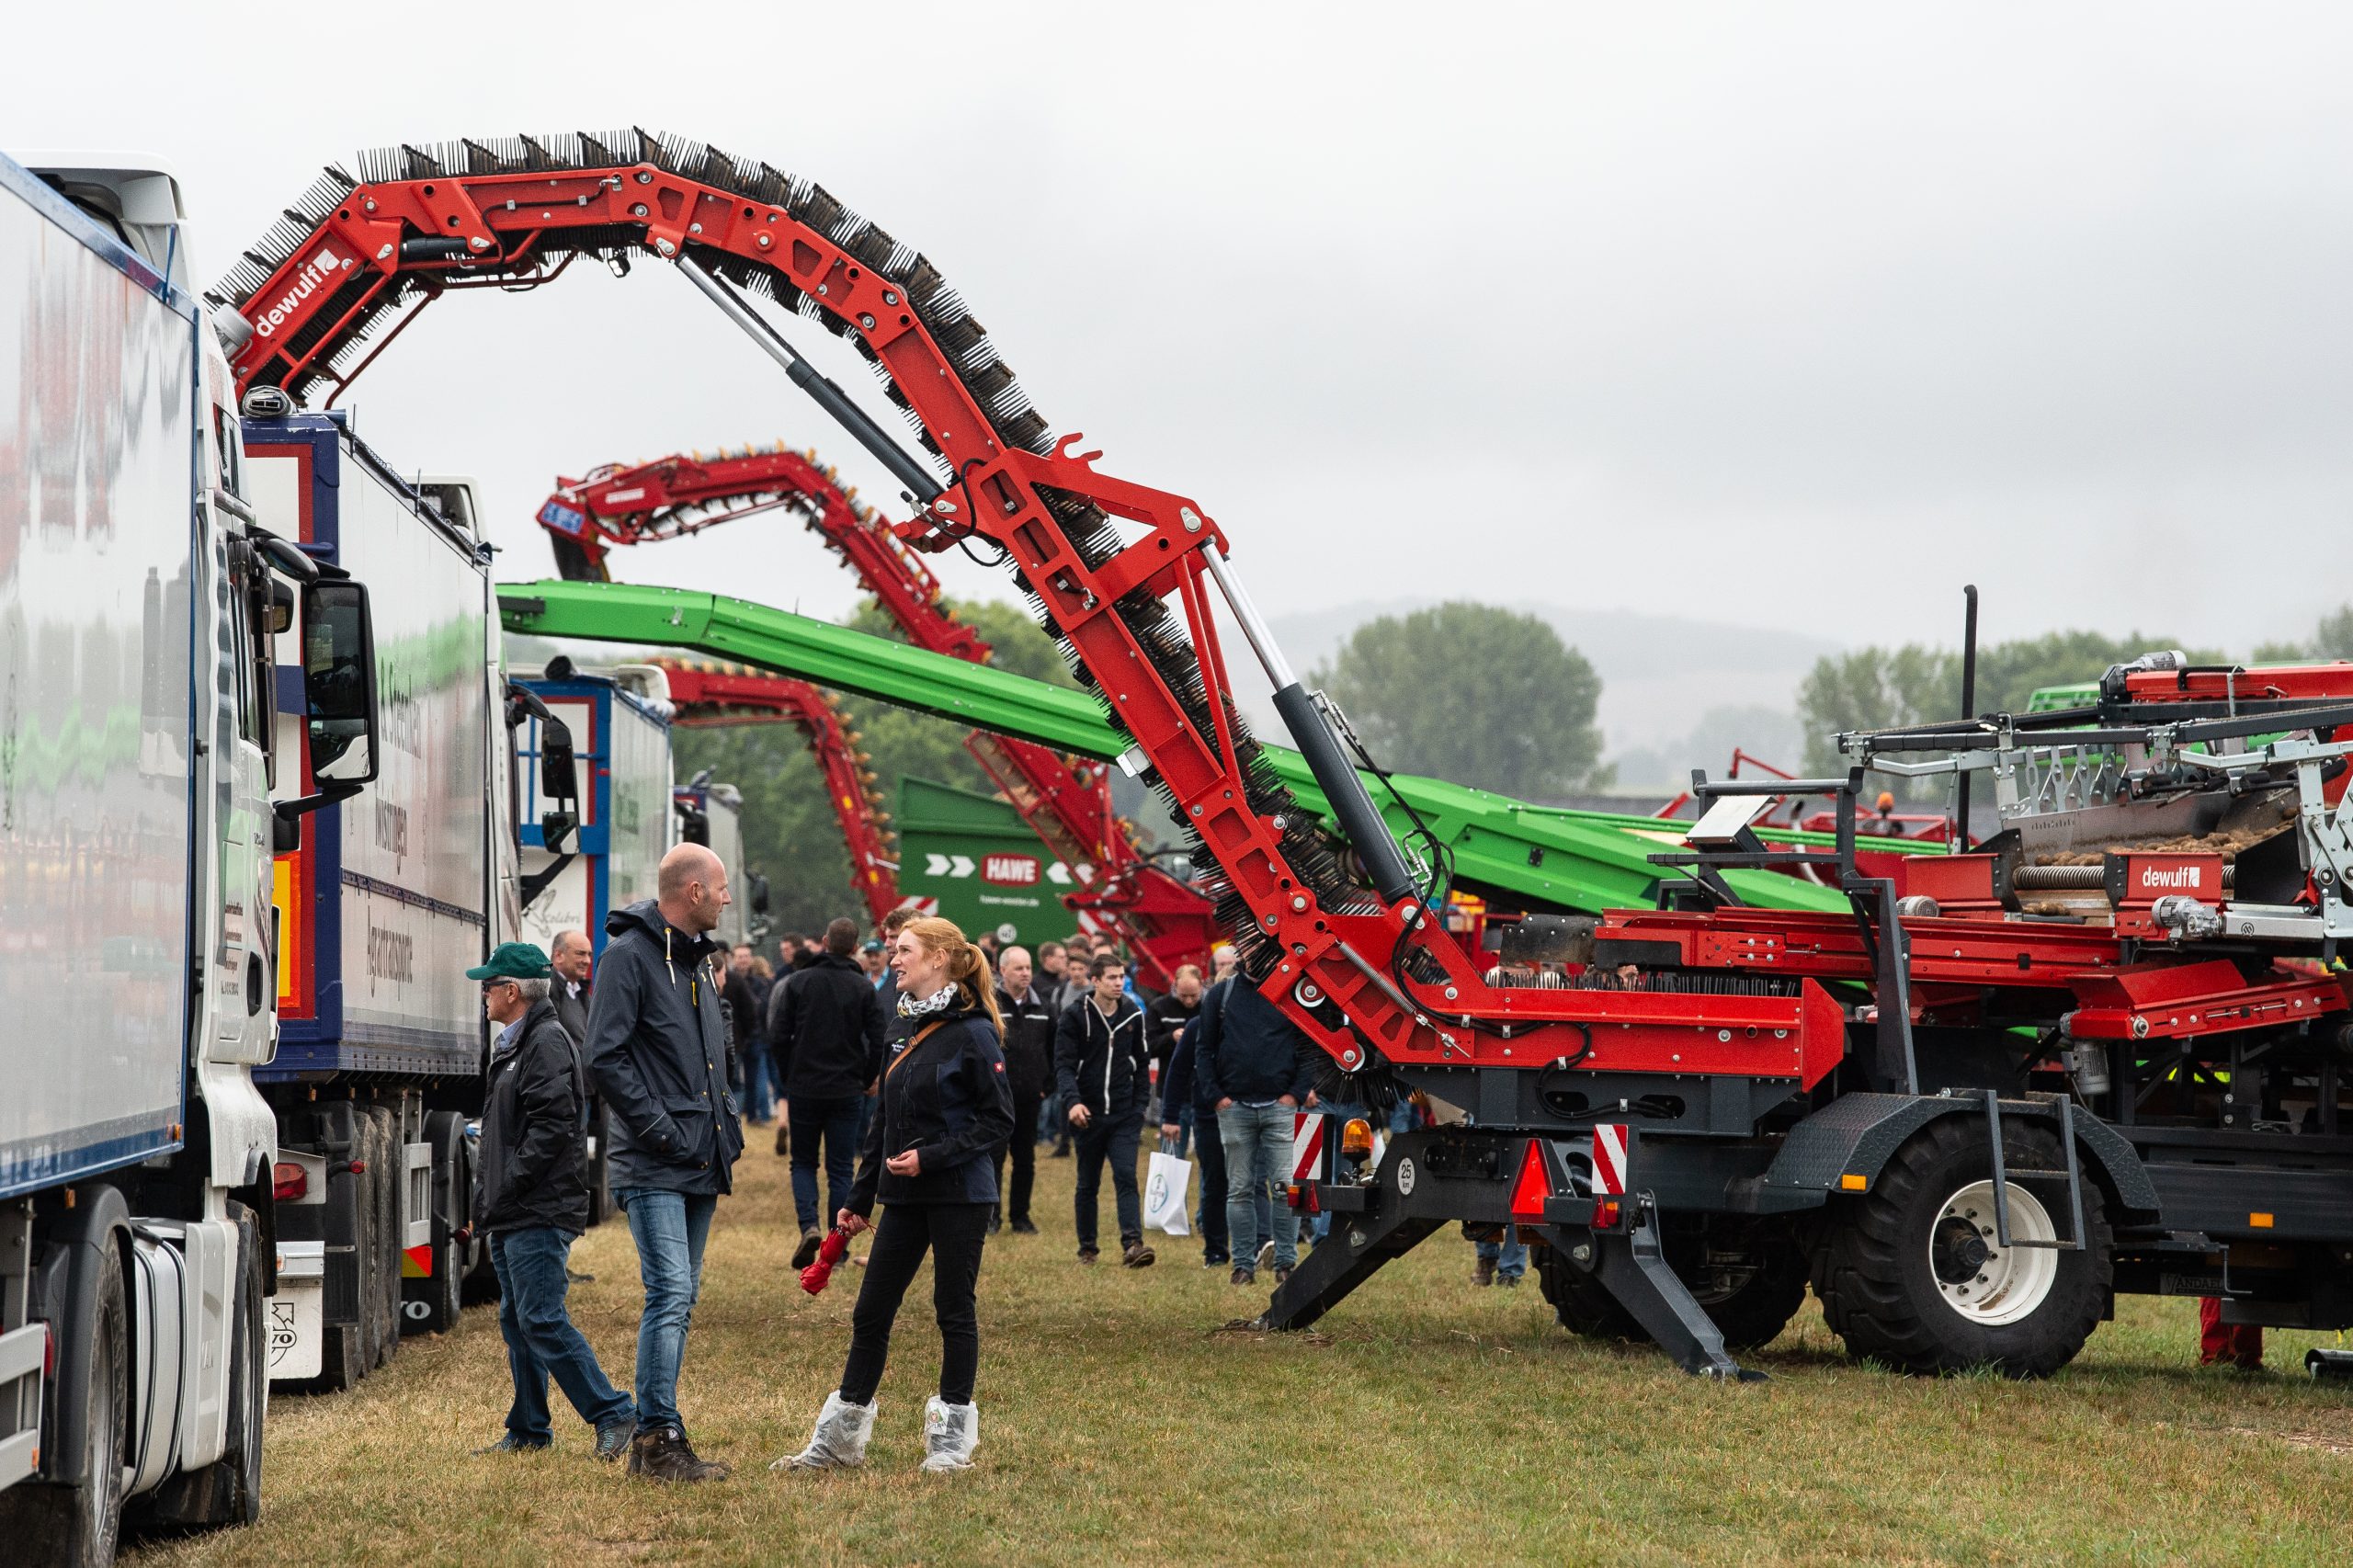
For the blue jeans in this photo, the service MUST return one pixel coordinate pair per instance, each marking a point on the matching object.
(759, 1099)
(836, 1121)
(669, 1229)
(1509, 1255)
(1258, 1157)
(541, 1341)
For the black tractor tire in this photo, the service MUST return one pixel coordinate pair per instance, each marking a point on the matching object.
(228, 1491)
(78, 1527)
(1581, 1303)
(1750, 1301)
(1752, 1297)
(1878, 1270)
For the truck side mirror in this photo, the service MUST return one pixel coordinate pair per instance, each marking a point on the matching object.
(558, 779)
(340, 682)
(759, 885)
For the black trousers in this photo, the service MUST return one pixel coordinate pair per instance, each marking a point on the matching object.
(953, 1233)
(1209, 1152)
(1103, 1138)
(1024, 1148)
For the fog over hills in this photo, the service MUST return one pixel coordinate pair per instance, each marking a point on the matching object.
(1677, 691)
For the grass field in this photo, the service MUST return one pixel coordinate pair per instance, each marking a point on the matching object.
(1428, 1421)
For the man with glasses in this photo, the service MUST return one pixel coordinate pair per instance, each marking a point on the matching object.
(531, 1198)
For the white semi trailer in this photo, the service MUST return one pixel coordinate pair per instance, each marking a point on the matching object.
(139, 601)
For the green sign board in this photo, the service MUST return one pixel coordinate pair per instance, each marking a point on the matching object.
(974, 859)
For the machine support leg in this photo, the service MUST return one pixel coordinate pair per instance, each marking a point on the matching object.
(1632, 1268)
(1391, 1224)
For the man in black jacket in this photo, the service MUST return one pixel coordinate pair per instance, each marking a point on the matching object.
(657, 1044)
(1254, 1066)
(1100, 1064)
(826, 1034)
(1029, 1069)
(1164, 1018)
(530, 1199)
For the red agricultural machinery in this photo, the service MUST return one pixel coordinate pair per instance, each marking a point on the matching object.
(1065, 800)
(2102, 1052)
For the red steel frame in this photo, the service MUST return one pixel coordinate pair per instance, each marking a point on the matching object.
(716, 696)
(372, 245)
(1066, 801)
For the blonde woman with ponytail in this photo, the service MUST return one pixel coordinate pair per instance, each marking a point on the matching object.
(930, 1157)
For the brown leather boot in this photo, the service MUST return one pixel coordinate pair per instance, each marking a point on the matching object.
(663, 1454)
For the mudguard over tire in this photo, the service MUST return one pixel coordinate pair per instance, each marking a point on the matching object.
(228, 1491)
(1910, 1273)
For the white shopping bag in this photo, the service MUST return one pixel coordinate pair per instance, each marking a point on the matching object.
(1164, 1194)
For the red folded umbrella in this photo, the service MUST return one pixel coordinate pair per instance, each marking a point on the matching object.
(836, 1244)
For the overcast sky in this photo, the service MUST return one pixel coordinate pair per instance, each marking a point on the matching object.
(1795, 316)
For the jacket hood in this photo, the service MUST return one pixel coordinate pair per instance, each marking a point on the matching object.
(645, 915)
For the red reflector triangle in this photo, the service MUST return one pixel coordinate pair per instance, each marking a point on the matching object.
(1534, 1185)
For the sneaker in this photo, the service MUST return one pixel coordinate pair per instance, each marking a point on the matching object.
(1281, 1274)
(1135, 1254)
(1509, 1281)
(1484, 1275)
(1266, 1253)
(612, 1438)
(950, 1433)
(573, 1277)
(1216, 1260)
(783, 1139)
(1088, 1254)
(1023, 1227)
(663, 1454)
(1243, 1277)
(996, 1222)
(1060, 1152)
(511, 1444)
(806, 1253)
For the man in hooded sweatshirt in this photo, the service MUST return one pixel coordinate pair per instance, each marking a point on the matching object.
(657, 1044)
(1100, 1060)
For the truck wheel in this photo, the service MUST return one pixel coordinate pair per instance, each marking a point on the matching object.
(452, 1198)
(76, 1527)
(228, 1491)
(480, 1281)
(1912, 1274)
(391, 1177)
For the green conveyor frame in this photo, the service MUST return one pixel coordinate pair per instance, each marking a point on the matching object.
(1548, 855)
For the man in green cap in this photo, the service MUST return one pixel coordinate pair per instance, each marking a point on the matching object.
(531, 1200)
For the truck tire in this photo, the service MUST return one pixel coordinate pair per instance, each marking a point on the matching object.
(452, 1201)
(481, 1282)
(392, 1176)
(228, 1491)
(1910, 1273)
(1748, 1277)
(76, 1527)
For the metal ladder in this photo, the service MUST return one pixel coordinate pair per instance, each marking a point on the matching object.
(2073, 1176)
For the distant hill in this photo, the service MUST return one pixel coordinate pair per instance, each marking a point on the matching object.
(1666, 681)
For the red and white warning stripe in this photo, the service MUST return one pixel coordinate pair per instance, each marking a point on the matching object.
(1307, 1145)
(1610, 1158)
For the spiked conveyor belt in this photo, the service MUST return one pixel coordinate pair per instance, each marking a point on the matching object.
(960, 335)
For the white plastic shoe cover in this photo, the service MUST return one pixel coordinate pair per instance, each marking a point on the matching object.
(839, 1438)
(950, 1433)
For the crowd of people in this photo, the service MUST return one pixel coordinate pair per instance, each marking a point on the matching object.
(909, 1067)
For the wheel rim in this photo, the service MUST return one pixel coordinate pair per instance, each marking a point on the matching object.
(1983, 1281)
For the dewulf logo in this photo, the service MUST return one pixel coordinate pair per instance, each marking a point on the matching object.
(315, 271)
(2174, 879)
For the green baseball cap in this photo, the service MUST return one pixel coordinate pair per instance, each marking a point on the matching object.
(514, 960)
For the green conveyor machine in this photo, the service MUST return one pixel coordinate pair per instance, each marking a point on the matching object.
(1544, 856)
